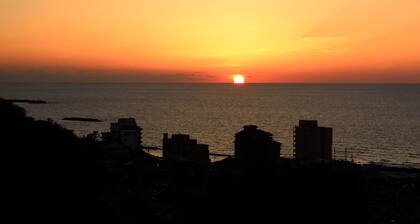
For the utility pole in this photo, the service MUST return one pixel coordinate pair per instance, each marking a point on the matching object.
(345, 154)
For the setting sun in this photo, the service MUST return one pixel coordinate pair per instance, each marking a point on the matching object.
(238, 79)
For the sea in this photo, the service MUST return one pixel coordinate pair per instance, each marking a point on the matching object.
(372, 123)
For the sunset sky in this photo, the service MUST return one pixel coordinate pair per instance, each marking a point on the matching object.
(210, 41)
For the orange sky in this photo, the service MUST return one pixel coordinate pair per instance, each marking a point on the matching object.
(208, 41)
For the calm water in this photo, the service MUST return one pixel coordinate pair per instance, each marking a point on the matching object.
(378, 123)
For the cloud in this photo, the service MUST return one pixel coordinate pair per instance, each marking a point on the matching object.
(98, 75)
(322, 44)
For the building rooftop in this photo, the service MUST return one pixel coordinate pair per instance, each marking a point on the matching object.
(127, 124)
(308, 123)
(254, 131)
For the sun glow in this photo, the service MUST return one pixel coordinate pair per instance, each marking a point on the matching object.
(238, 79)
(185, 41)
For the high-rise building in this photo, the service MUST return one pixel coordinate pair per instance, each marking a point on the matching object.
(312, 142)
(126, 132)
(183, 149)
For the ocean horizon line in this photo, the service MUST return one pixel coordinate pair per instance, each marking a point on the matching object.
(220, 83)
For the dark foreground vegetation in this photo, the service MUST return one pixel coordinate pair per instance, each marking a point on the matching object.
(53, 176)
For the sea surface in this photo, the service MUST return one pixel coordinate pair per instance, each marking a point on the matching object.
(376, 123)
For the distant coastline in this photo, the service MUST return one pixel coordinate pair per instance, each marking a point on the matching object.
(84, 119)
(26, 101)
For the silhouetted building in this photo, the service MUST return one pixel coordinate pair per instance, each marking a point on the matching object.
(312, 142)
(126, 132)
(183, 149)
(254, 145)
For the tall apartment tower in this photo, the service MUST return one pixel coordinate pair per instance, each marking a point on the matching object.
(182, 148)
(126, 132)
(312, 142)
